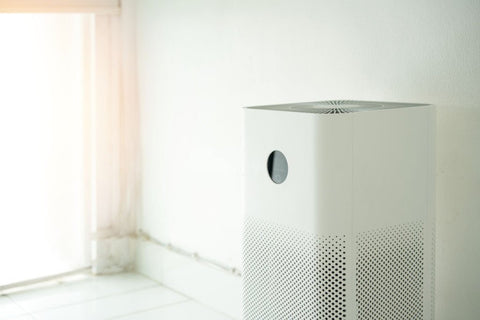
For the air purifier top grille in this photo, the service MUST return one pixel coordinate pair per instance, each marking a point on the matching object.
(337, 106)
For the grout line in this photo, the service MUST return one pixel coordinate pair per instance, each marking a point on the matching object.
(214, 310)
(93, 299)
(26, 311)
(97, 298)
(188, 297)
(150, 309)
(167, 287)
(57, 277)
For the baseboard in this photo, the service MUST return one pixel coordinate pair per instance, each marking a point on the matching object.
(213, 287)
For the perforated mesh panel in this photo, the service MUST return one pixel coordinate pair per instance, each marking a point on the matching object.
(292, 275)
(389, 273)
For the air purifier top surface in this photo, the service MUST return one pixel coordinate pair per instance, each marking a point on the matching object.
(337, 106)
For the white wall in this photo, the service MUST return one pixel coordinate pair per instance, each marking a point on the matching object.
(201, 61)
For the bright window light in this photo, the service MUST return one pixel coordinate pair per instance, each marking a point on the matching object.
(43, 215)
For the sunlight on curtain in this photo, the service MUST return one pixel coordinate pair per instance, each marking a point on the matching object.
(43, 215)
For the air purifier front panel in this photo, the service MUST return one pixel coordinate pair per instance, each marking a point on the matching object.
(318, 152)
(339, 211)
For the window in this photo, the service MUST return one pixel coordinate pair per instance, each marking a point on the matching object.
(44, 216)
(69, 136)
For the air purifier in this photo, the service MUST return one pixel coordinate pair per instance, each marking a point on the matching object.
(339, 209)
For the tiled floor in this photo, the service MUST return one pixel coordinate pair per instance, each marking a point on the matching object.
(126, 296)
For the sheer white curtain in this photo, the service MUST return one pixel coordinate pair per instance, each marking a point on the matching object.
(42, 166)
(68, 137)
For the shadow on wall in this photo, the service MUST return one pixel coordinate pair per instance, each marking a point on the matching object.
(458, 210)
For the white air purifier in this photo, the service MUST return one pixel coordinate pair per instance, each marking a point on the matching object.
(339, 205)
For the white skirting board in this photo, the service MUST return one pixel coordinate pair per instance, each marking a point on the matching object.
(213, 287)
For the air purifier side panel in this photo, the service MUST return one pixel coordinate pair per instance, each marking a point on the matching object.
(392, 179)
(390, 162)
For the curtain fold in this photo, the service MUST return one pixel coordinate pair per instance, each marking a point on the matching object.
(117, 144)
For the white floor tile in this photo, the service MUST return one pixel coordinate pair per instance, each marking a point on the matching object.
(85, 290)
(180, 311)
(113, 306)
(8, 309)
(24, 317)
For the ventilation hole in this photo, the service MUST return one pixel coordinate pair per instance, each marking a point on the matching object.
(389, 273)
(292, 275)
